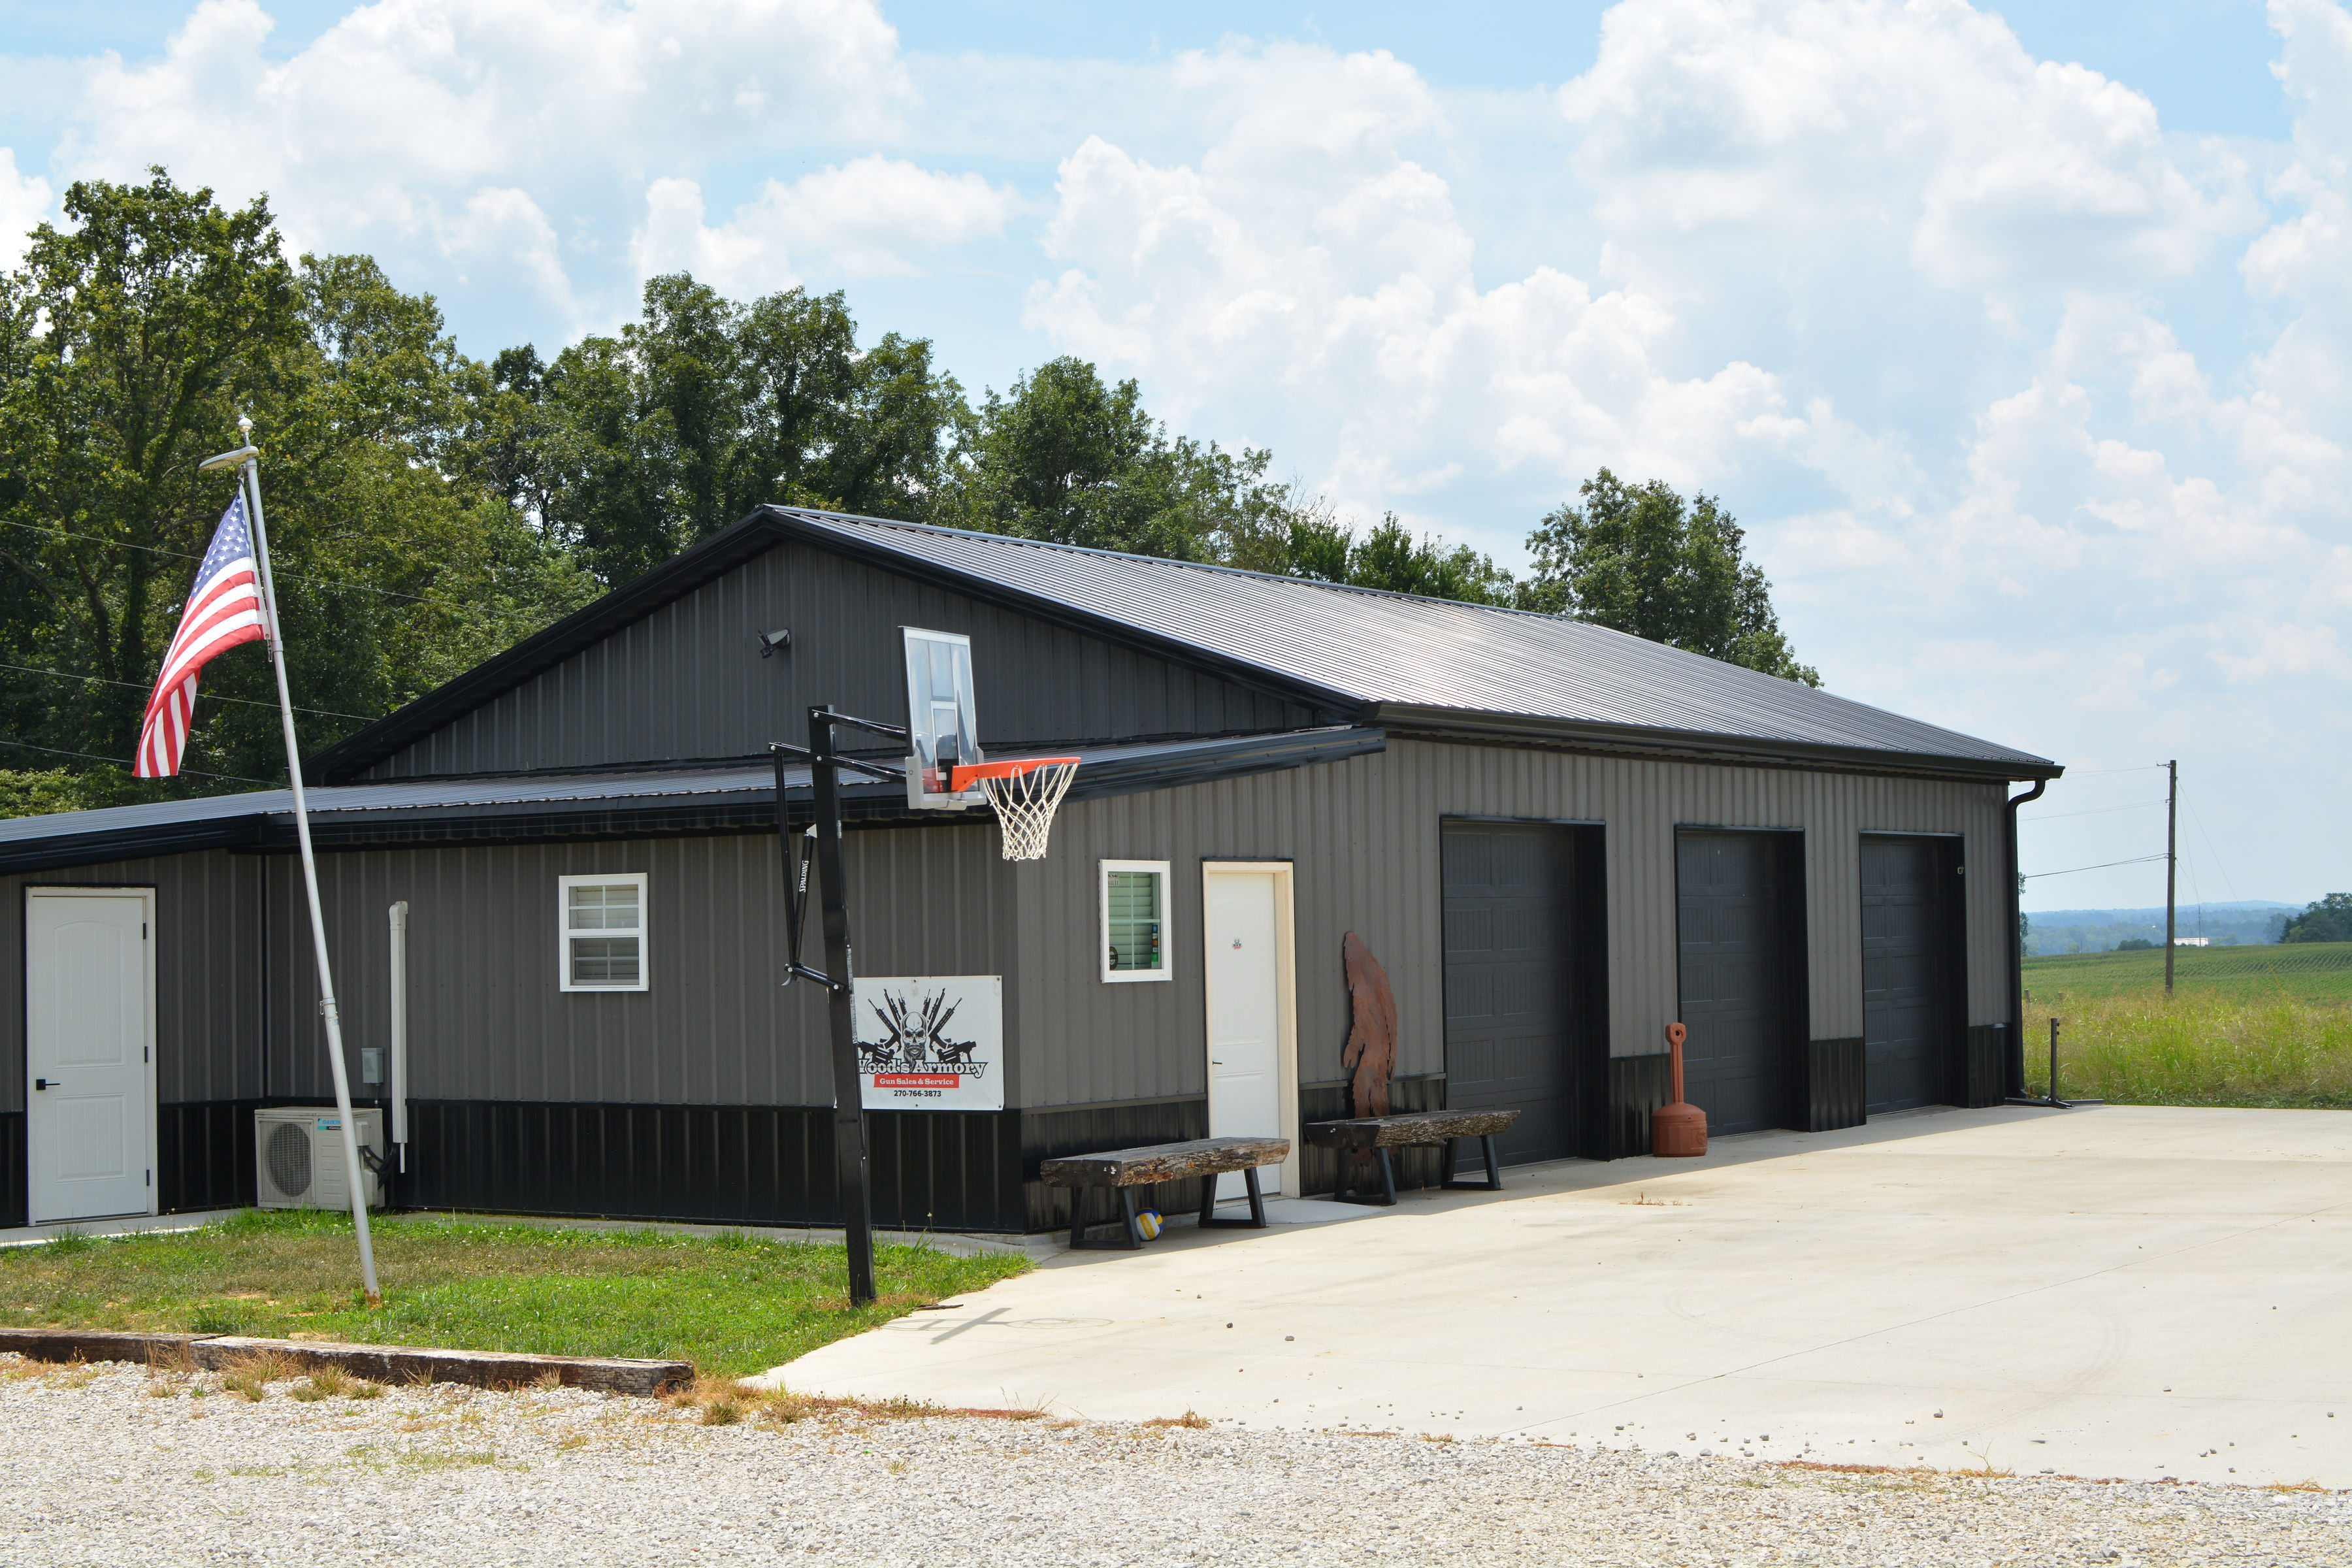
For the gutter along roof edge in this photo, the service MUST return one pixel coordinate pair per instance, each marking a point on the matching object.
(1453, 724)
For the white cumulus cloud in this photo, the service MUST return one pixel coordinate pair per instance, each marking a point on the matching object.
(871, 216)
(436, 123)
(24, 202)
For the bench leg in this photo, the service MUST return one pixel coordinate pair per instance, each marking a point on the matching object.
(1346, 1193)
(1209, 1200)
(1125, 1213)
(1494, 1182)
(1256, 1220)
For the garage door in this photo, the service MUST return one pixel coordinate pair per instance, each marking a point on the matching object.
(1906, 972)
(1741, 936)
(1510, 987)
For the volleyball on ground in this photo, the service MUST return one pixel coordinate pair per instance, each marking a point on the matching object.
(1148, 1222)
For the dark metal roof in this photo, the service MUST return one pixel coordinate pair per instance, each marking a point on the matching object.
(1377, 658)
(507, 808)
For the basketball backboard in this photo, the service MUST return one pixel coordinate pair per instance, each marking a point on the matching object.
(941, 729)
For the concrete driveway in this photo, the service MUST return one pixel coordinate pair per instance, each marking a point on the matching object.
(2128, 1291)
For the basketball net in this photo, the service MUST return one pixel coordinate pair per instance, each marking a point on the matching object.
(1024, 793)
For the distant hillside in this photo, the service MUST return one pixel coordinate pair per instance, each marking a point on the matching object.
(2243, 923)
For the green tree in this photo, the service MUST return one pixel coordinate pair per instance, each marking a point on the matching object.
(131, 339)
(703, 409)
(1069, 459)
(1389, 557)
(129, 344)
(2326, 920)
(1639, 559)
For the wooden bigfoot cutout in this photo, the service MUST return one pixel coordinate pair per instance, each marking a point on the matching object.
(1371, 1048)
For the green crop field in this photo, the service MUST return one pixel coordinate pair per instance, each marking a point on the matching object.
(2317, 971)
(2245, 1025)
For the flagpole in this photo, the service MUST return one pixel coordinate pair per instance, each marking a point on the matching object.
(251, 476)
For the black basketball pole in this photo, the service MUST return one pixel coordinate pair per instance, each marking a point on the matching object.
(848, 1083)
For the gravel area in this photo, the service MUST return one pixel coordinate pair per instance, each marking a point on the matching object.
(110, 1464)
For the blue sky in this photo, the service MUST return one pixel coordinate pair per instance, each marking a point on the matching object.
(2021, 340)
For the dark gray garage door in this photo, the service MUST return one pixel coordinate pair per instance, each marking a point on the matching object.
(1906, 979)
(1741, 937)
(1510, 983)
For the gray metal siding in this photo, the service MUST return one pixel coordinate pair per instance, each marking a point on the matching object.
(487, 1020)
(208, 972)
(1364, 835)
(688, 681)
(489, 1023)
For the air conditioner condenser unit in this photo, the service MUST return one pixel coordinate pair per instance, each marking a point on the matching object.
(297, 1155)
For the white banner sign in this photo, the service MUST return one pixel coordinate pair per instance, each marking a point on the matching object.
(931, 1043)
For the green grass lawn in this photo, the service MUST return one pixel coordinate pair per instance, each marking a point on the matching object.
(731, 1304)
(2245, 1025)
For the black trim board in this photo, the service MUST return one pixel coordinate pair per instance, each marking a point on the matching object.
(204, 1155)
(1637, 1085)
(1983, 1065)
(15, 1176)
(1837, 1085)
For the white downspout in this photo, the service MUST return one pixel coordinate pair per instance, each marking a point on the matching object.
(399, 1085)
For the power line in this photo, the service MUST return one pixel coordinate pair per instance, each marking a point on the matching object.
(118, 761)
(2140, 860)
(2103, 773)
(184, 556)
(2091, 811)
(216, 697)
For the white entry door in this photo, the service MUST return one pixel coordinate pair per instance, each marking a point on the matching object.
(89, 1035)
(1244, 970)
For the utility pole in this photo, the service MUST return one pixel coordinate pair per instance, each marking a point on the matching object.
(2171, 864)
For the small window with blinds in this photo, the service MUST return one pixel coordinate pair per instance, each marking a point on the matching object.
(1135, 924)
(602, 922)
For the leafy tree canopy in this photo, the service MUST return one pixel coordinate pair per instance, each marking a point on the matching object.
(632, 448)
(1640, 559)
(2327, 920)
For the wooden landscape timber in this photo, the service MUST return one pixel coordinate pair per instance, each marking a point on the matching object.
(394, 1364)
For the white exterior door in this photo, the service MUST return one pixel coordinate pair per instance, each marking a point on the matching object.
(1243, 971)
(89, 1035)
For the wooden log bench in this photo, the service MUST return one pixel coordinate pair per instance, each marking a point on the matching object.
(1128, 1169)
(1376, 1135)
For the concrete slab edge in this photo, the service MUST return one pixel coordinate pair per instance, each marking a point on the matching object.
(394, 1364)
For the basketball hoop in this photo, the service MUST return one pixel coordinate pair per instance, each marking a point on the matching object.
(1025, 793)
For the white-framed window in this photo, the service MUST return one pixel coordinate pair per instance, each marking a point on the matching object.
(1136, 929)
(600, 922)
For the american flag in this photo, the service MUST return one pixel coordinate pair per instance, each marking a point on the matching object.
(223, 610)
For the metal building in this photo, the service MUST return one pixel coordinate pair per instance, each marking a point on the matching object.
(1557, 839)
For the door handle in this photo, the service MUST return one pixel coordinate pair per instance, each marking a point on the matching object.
(40, 1083)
